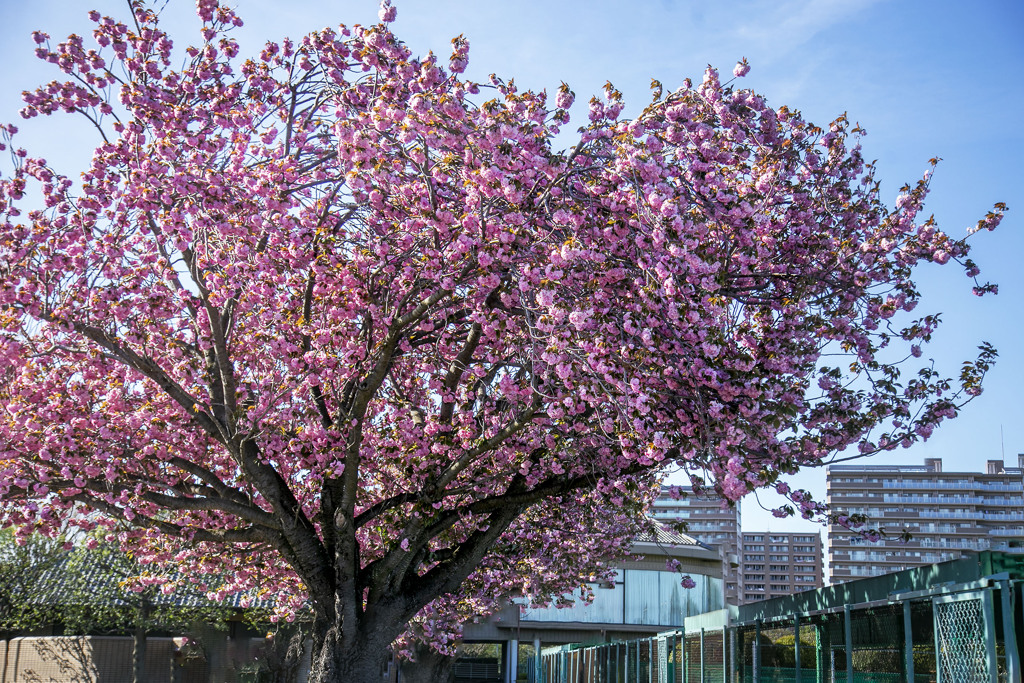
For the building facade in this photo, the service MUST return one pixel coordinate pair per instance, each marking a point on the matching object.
(645, 598)
(947, 514)
(713, 523)
(777, 564)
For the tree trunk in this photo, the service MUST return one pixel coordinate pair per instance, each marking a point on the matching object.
(430, 667)
(139, 644)
(359, 660)
(139, 655)
(282, 657)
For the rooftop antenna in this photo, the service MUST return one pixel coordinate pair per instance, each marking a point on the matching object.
(1002, 443)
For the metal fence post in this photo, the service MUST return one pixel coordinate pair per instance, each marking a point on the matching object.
(819, 656)
(797, 677)
(670, 658)
(732, 652)
(908, 642)
(725, 655)
(755, 651)
(848, 633)
(702, 656)
(683, 661)
(538, 672)
(652, 650)
(1013, 672)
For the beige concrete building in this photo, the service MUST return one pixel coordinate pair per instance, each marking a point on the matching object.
(711, 522)
(777, 564)
(948, 514)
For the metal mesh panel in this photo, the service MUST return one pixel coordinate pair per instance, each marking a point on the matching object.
(878, 643)
(922, 622)
(678, 649)
(714, 656)
(645, 662)
(833, 637)
(632, 651)
(692, 659)
(808, 651)
(745, 641)
(960, 641)
(778, 659)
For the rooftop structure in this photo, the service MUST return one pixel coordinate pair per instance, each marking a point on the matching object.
(947, 514)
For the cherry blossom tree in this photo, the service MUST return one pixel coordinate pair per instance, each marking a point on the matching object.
(347, 327)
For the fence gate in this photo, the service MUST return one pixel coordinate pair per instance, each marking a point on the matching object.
(965, 638)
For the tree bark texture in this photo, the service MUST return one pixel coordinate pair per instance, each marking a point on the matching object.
(430, 667)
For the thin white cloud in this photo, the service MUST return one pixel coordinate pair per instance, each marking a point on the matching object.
(785, 26)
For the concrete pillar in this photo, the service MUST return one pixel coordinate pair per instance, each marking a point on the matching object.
(511, 661)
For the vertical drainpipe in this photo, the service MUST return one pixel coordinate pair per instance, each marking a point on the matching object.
(848, 631)
(908, 641)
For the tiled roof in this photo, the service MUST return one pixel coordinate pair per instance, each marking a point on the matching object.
(74, 579)
(665, 535)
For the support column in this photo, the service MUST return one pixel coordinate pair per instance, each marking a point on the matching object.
(512, 667)
(848, 633)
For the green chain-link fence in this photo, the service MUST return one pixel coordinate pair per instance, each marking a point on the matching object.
(950, 634)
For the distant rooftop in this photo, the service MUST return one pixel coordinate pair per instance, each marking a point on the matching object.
(665, 535)
(931, 465)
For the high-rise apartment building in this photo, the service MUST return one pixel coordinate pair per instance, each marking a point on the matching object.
(947, 514)
(710, 522)
(776, 564)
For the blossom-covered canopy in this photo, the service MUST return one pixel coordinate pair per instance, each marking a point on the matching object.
(350, 326)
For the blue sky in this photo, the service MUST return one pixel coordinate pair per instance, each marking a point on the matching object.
(939, 78)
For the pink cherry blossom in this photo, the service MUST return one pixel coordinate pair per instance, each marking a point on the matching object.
(320, 322)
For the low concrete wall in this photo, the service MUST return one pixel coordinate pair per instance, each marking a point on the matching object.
(83, 659)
